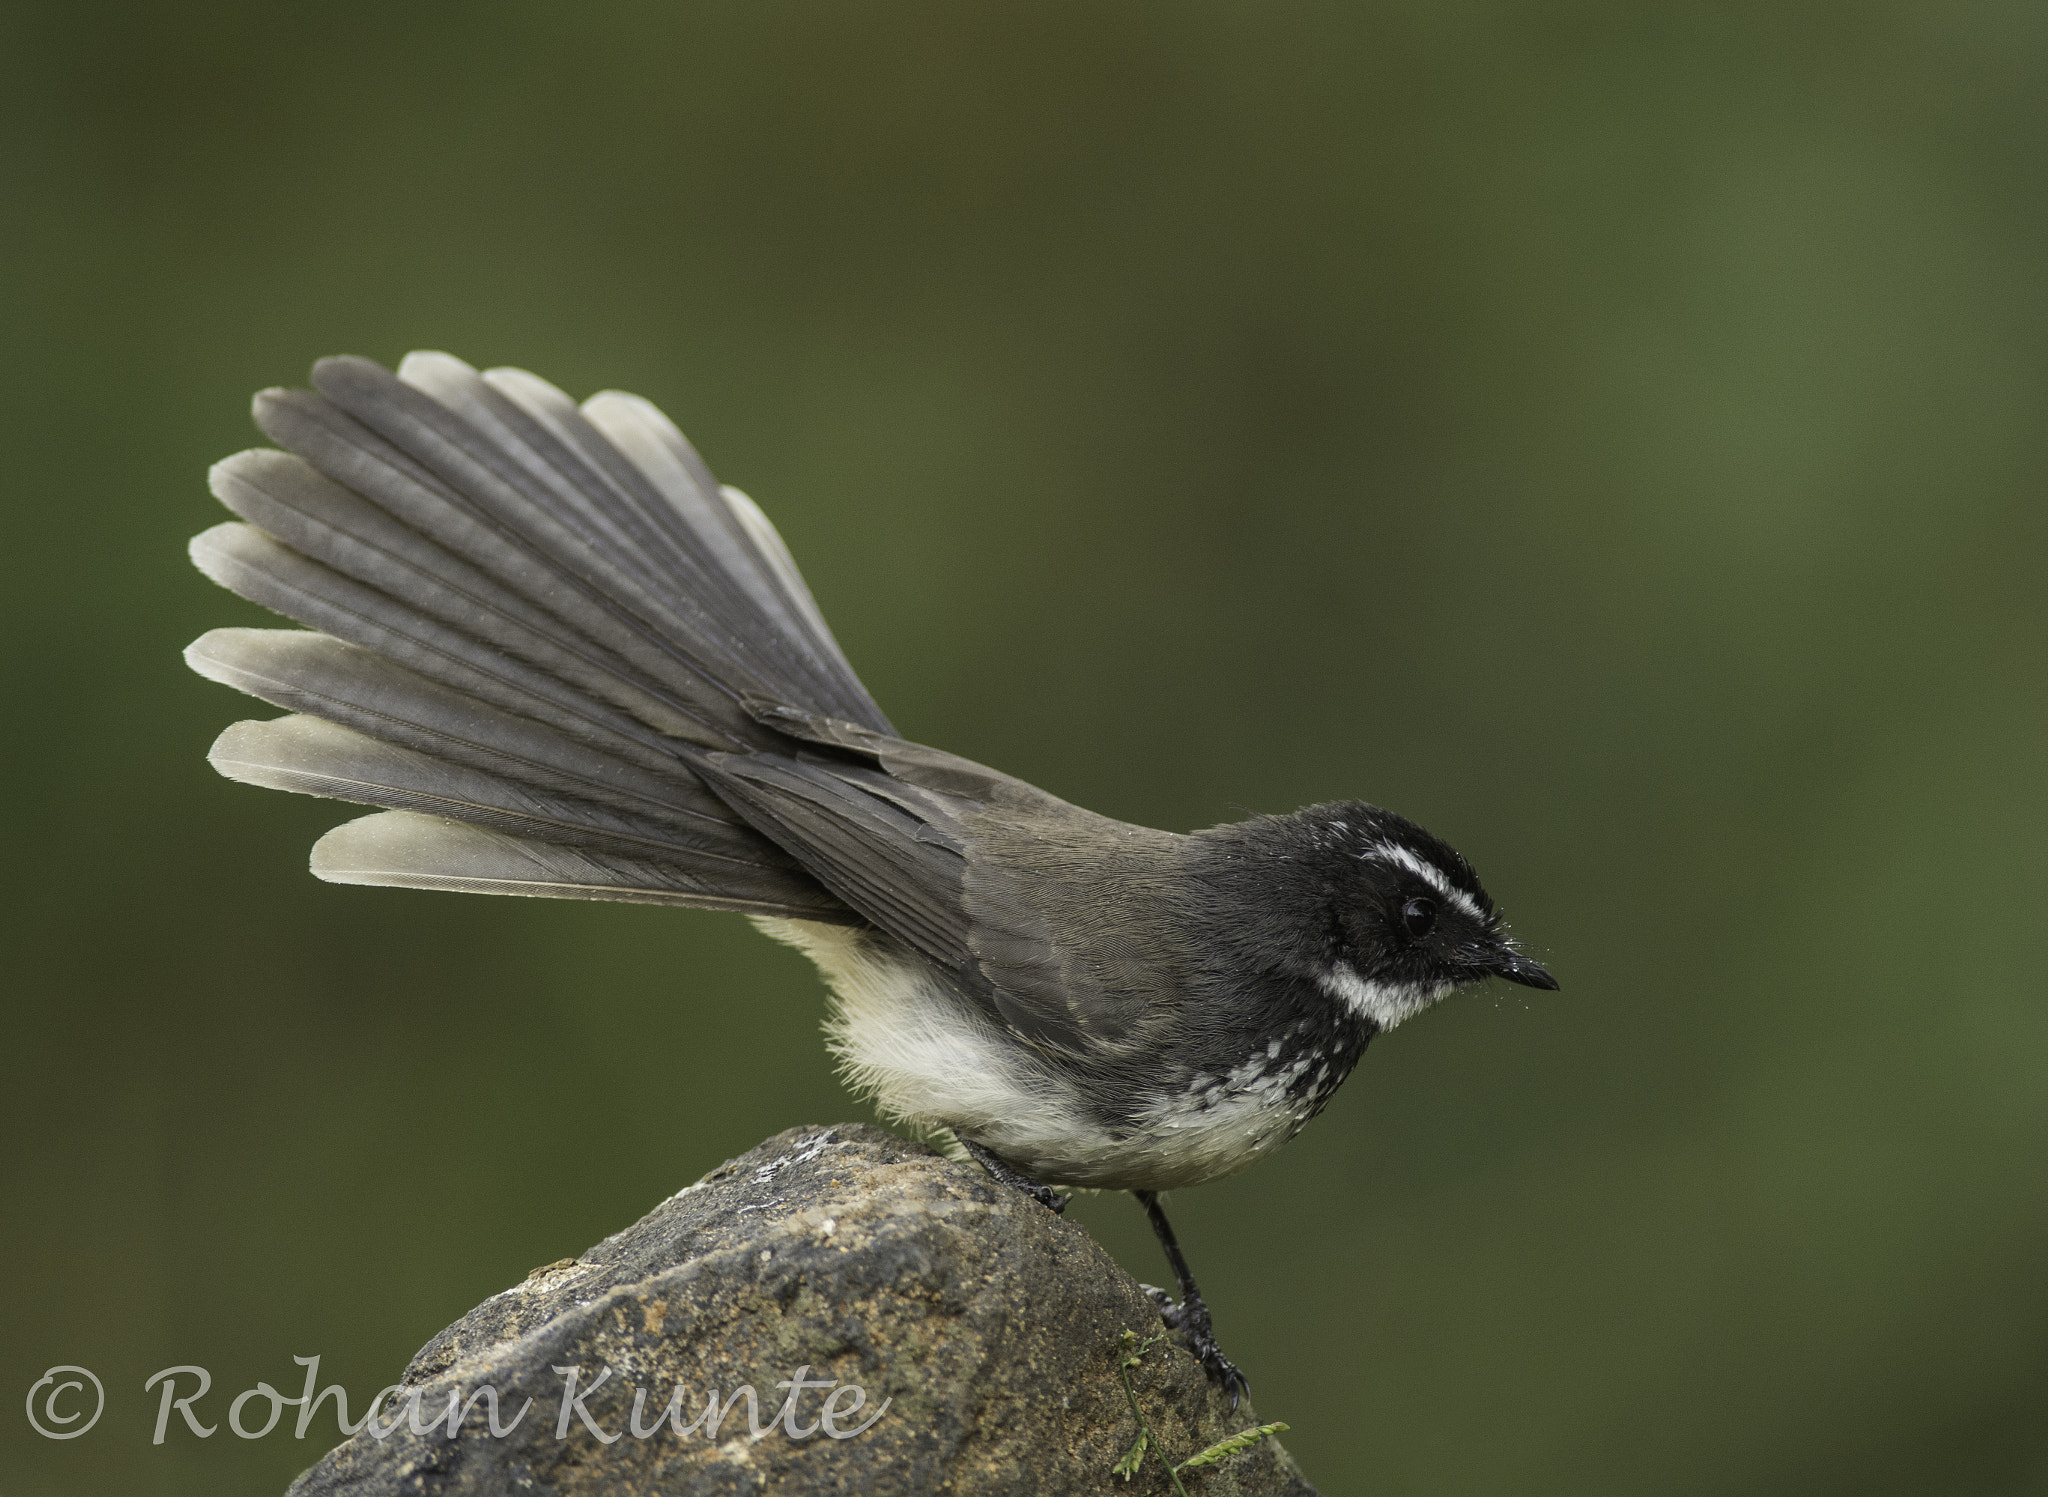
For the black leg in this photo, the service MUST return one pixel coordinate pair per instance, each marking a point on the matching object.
(1191, 1316)
(1001, 1171)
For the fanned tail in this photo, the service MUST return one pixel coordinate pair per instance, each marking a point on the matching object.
(532, 619)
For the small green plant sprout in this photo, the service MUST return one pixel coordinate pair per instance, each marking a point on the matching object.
(1132, 1459)
(1244, 1439)
(1127, 1465)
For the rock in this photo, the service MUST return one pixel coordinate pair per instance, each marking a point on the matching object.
(951, 1335)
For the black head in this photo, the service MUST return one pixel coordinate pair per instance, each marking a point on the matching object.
(1410, 920)
(1386, 918)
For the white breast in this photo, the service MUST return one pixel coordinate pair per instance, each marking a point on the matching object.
(927, 1058)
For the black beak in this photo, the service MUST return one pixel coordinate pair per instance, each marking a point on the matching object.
(1518, 968)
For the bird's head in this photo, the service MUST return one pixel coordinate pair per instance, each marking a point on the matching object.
(1409, 922)
(1383, 917)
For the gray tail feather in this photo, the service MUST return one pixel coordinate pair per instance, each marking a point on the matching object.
(532, 619)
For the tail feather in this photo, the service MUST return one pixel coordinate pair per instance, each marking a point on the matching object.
(249, 562)
(312, 756)
(555, 446)
(854, 706)
(578, 525)
(461, 424)
(534, 619)
(736, 537)
(404, 849)
(350, 686)
(735, 552)
(357, 458)
(287, 499)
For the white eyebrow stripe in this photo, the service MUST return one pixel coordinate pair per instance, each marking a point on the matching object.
(1401, 857)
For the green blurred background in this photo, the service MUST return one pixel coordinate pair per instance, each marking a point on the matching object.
(1610, 433)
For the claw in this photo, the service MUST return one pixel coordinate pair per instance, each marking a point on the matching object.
(1008, 1174)
(1224, 1374)
(1191, 1319)
(1050, 1199)
(1191, 1316)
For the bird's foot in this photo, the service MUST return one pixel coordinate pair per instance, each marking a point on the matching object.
(1047, 1197)
(1190, 1317)
(1005, 1173)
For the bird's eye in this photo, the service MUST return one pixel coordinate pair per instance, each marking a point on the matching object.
(1418, 917)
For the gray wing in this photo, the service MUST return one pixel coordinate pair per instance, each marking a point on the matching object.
(1056, 920)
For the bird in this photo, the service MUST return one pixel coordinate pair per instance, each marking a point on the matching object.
(566, 662)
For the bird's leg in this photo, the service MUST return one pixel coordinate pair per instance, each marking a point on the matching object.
(1005, 1174)
(1191, 1316)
